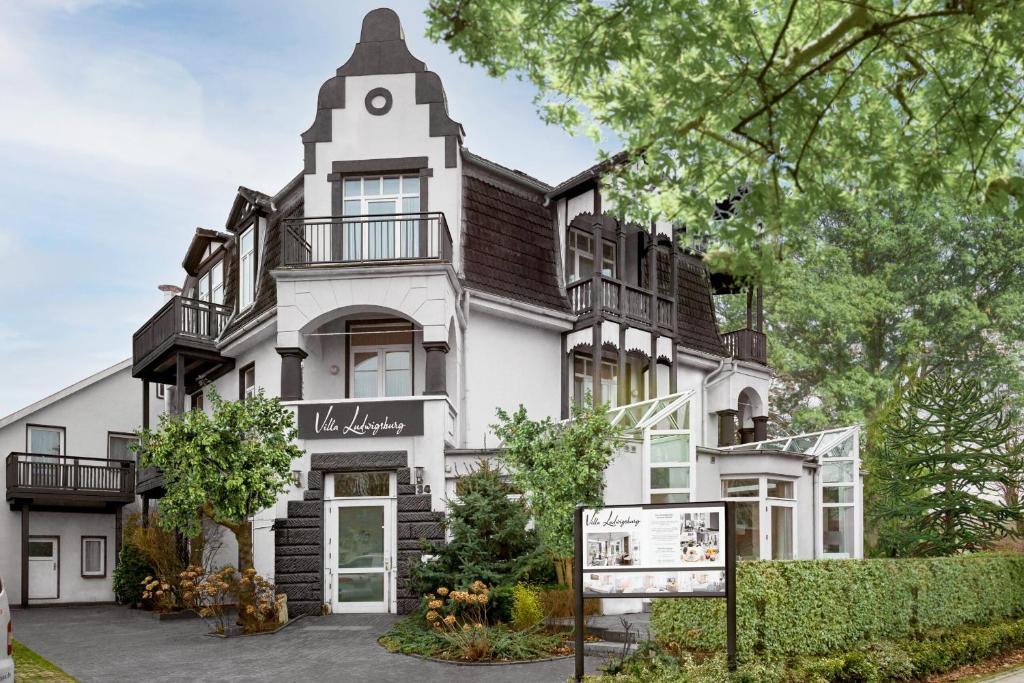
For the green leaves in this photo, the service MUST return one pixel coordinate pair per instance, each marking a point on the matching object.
(228, 464)
(559, 466)
(948, 454)
(805, 104)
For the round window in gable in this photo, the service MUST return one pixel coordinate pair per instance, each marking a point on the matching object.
(378, 101)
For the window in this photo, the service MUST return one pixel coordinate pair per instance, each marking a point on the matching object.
(247, 382)
(160, 391)
(94, 556)
(380, 360)
(197, 401)
(45, 440)
(247, 268)
(748, 531)
(210, 287)
(362, 484)
(119, 447)
(581, 256)
(583, 380)
(669, 468)
(780, 488)
(741, 488)
(389, 237)
(838, 500)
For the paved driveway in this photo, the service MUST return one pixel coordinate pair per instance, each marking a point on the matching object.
(111, 644)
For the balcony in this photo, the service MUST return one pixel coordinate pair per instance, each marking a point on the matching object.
(619, 302)
(69, 483)
(182, 327)
(748, 345)
(366, 240)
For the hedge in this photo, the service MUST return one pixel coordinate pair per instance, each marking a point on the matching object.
(816, 607)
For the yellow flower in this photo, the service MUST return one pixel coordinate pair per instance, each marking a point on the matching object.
(432, 615)
(434, 604)
(442, 591)
(450, 619)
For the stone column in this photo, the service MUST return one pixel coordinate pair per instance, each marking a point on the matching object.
(727, 427)
(760, 427)
(746, 434)
(436, 368)
(291, 372)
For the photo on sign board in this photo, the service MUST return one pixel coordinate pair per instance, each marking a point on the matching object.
(613, 549)
(618, 583)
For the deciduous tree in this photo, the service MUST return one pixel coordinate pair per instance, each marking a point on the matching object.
(226, 465)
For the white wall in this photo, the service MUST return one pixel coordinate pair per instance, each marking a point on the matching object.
(507, 363)
(112, 404)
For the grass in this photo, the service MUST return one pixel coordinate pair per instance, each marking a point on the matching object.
(30, 667)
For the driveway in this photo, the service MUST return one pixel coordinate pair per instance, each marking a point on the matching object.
(111, 644)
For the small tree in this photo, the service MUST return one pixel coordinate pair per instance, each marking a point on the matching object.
(226, 466)
(489, 540)
(558, 466)
(947, 452)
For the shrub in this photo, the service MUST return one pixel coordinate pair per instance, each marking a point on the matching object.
(817, 607)
(526, 608)
(489, 539)
(160, 547)
(132, 568)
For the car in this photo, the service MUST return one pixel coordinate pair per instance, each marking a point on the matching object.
(6, 637)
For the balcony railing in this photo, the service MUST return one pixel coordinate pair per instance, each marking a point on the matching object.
(58, 480)
(192, 320)
(749, 345)
(619, 301)
(361, 240)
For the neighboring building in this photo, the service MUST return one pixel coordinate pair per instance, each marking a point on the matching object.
(69, 475)
(400, 288)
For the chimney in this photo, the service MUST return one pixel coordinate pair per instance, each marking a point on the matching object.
(170, 291)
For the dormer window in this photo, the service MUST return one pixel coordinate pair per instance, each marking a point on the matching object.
(210, 286)
(247, 267)
(581, 257)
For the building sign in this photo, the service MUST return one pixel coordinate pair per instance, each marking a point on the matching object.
(669, 550)
(360, 419)
(654, 550)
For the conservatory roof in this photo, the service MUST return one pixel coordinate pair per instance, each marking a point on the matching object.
(830, 443)
(672, 409)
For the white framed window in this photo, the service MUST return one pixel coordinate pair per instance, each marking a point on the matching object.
(94, 556)
(247, 267)
(210, 286)
(42, 440)
(390, 237)
(380, 360)
(581, 256)
(765, 516)
(119, 447)
(583, 380)
(668, 470)
(247, 381)
(160, 391)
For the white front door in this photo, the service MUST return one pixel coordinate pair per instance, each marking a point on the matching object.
(360, 543)
(43, 561)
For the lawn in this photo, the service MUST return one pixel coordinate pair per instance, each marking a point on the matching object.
(32, 668)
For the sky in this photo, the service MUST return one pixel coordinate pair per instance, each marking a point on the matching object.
(125, 124)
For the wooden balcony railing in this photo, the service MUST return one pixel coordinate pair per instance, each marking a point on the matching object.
(619, 301)
(53, 479)
(749, 345)
(181, 317)
(362, 240)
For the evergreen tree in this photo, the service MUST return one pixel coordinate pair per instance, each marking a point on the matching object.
(947, 453)
(488, 537)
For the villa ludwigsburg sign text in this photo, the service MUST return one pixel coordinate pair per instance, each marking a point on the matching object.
(359, 420)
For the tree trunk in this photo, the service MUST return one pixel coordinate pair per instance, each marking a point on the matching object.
(243, 534)
(563, 571)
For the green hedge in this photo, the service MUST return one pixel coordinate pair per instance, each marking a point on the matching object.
(789, 609)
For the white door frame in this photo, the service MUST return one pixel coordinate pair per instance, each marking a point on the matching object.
(332, 505)
(766, 524)
(55, 541)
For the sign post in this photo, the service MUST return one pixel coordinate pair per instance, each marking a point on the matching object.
(664, 550)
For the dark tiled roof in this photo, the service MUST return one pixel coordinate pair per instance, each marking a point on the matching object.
(509, 245)
(290, 205)
(698, 328)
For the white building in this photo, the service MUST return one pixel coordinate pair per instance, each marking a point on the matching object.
(68, 477)
(400, 288)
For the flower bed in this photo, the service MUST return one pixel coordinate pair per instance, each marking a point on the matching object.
(457, 626)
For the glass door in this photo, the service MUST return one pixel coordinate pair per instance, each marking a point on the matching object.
(360, 543)
(46, 444)
(781, 536)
